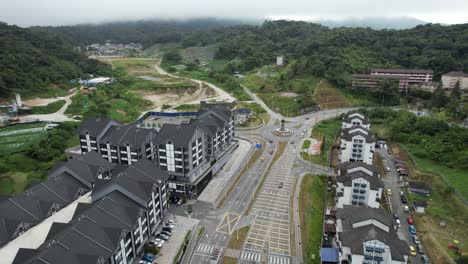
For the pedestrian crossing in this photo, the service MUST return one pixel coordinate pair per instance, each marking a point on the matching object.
(205, 248)
(252, 256)
(278, 260)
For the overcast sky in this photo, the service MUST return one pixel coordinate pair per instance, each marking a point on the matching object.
(65, 12)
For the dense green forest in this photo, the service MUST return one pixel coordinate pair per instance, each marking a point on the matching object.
(333, 53)
(191, 32)
(30, 61)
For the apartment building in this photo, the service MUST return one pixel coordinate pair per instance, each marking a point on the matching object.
(191, 150)
(67, 182)
(450, 79)
(415, 76)
(355, 119)
(125, 211)
(357, 144)
(359, 189)
(367, 236)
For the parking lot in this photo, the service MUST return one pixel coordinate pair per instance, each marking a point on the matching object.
(270, 230)
(391, 182)
(171, 247)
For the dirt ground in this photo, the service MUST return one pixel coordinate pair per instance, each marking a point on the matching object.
(188, 97)
(40, 101)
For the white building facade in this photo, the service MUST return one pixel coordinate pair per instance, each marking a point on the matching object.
(357, 144)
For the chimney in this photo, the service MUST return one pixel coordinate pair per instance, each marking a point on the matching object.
(18, 100)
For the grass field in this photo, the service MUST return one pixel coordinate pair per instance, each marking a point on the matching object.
(48, 109)
(443, 205)
(325, 131)
(235, 243)
(17, 138)
(311, 208)
(328, 96)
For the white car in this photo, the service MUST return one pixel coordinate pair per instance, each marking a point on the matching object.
(158, 242)
(170, 221)
(398, 223)
(388, 169)
(406, 208)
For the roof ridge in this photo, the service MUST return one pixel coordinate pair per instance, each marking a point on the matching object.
(125, 133)
(52, 191)
(24, 209)
(113, 216)
(90, 239)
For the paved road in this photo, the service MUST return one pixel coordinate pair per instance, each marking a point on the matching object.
(391, 182)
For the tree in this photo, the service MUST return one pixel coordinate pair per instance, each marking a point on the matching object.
(439, 99)
(172, 57)
(456, 92)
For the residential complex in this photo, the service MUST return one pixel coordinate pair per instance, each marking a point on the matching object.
(450, 79)
(357, 144)
(190, 150)
(367, 235)
(357, 229)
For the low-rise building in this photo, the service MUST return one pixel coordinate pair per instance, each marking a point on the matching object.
(415, 76)
(450, 79)
(420, 206)
(357, 144)
(420, 188)
(367, 235)
(369, 81)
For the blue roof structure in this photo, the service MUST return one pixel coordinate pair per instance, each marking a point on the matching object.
(329, 255)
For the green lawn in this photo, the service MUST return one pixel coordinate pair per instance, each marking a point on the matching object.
(458, 179)
(311, 208)
(21, 136)
(48, 109)
(325, 131)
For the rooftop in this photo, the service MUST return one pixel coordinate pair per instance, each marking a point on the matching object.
(402, 71)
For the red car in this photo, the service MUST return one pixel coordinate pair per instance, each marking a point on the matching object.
(410, 221)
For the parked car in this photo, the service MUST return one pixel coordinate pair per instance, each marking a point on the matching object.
(148, 258)
(412, 251)
(165, 228)
(406, 208)
(412, 229)
(425, 260)
(167, 233)
(389, 191)
(262, 159)
(158, 242)
(415, 239)
(410, 221)
(404, 199)
(395, 216)
(292, 142)
(307, 118)
(163, 237)
(170, 226)
(144, 262)
(170, 221)
(420, 249)
(398, 223)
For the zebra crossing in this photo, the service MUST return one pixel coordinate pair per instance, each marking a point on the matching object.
(205, 248)
(279, 260)
(251, 256)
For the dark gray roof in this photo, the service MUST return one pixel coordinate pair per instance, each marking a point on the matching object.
(402, 71)
(420, 203)
(94, 126)
(355, 237)
(348, 118)
(455, 74)
(180, 135)
(347, 179)
(419, 185)
(344, 167)
(349, 133)
(92, 235)
(136, 179)
(128, 134)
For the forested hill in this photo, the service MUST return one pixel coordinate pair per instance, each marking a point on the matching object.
(145, 32)
(338, 52)
(31, 61)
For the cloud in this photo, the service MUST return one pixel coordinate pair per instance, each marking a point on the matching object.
(61, 12)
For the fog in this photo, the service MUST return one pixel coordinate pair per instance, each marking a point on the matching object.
(66, 12)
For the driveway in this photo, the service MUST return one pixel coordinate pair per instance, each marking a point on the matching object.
(391, 182)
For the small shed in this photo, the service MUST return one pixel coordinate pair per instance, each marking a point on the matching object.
(329, 255)
(420, 206)
(420, 188)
